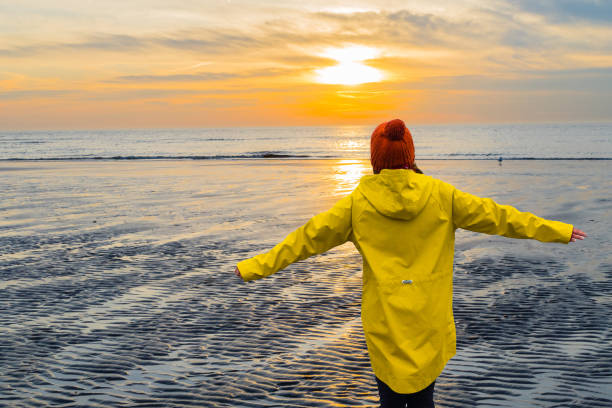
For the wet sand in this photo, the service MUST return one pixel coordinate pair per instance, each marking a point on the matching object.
(117, 288)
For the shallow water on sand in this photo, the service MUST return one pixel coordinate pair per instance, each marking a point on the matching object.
(117, 288)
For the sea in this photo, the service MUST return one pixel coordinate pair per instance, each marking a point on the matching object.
(439, 142)
(118, 249)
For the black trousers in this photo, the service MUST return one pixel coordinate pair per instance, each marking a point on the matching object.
(391, 399)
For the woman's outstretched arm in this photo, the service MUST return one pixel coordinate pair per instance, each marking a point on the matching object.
(485, 215)
(321, 233)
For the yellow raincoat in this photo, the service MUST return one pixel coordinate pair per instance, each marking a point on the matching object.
(403, 224)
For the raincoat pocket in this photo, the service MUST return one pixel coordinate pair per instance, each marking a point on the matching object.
(405, 306)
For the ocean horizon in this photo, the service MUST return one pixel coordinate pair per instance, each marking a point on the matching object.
(432, 142)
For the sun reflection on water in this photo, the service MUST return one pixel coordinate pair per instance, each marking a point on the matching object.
(352, 145)
(347, 174)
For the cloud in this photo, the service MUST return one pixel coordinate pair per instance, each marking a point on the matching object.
(521, 38)
(207, 40)
(593, 81)
(206, 76)
(465, 43)
(595, 11)
(99, 42)
(319, 28)
(201, 40)
(35, 93)
(203, 76)
(401, 29)
(144, 94)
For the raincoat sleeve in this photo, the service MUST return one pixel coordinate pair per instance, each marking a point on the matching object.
(321, 233)
(485, 215)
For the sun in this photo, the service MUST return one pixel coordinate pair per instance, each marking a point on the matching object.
(350, 69)
(348, 73)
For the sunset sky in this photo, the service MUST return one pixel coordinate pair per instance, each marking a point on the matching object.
(78, 64)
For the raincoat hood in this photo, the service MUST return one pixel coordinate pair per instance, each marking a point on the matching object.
(400, 194)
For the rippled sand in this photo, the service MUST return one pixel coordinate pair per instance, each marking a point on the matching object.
(117, 288)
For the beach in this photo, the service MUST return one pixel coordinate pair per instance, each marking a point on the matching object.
(117, 287)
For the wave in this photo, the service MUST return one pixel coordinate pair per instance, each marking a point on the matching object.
(252, 155)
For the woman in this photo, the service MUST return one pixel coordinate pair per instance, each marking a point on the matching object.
(403, 224)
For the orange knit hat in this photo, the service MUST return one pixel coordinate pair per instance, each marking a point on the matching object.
(391, 147)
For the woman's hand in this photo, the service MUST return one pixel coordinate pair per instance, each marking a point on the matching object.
(237, 273)
(576, 234)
